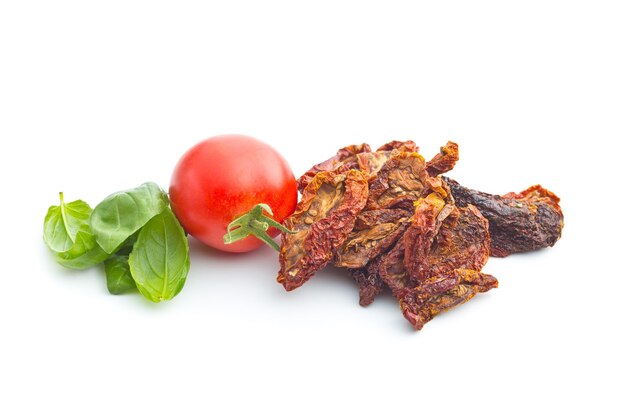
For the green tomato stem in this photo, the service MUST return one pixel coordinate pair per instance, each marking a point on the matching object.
(254, 223)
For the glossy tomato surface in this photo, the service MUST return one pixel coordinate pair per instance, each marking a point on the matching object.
(223, 177)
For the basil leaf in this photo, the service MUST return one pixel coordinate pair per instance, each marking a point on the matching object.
(84, 253)
(121, 214)
(119, 279)
(159, 262)
(67, 234)
(63, 222)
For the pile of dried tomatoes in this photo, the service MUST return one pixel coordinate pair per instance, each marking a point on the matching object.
(392, 220)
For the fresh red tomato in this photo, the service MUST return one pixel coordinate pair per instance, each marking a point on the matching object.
(222, 178)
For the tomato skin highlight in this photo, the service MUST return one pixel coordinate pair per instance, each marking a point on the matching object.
(225, 176)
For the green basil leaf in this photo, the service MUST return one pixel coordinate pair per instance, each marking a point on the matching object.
(121, 214)
(67, 234)
(63, 222)
(84, 253)
(119, 279)
(159, 262)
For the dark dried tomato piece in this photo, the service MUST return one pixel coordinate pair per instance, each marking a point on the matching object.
(518, 222)
(445, 160)
(322, 221)
(374, 232)
(344, 160)
(439, 293)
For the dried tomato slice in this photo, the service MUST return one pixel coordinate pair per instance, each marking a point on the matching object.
(430, 213)
(392, 272)
(445, 160)
(374, 232)
(402, 146)
(462, 242)
(437, 263)
(440, 293)
(322, 221)
(344, 160)
(371, 162)
(358, 157)
(442, 238)
(403, 179)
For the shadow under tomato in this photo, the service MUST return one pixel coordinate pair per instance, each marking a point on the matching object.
(207, 262)
(197, 248)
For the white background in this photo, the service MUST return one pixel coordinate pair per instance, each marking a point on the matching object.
(99, 97)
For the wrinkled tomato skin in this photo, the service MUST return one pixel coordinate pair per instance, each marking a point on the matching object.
(223, 177)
